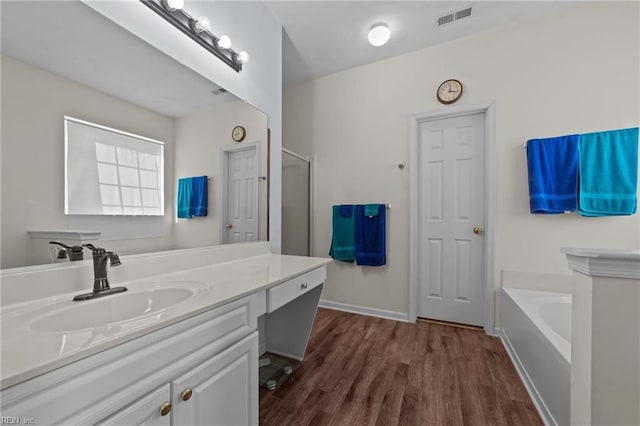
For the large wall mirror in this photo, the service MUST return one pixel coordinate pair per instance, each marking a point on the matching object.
(65, 59)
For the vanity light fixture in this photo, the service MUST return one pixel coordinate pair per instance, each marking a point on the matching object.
(242, 57)
(379, 34)
(224, 42)
(198, 29)
(173, 4)
(201, 24)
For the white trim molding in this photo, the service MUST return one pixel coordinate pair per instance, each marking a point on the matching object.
(604, 262)
(489, 110)
(364, 310)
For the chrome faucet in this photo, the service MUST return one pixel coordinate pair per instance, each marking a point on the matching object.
(100, 282)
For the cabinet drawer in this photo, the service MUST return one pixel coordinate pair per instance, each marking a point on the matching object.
(284, 293)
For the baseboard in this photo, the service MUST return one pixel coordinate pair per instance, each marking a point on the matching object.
(364, 310)
(542, 409)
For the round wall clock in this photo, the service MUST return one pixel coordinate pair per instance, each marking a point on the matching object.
(238, 133)
(449, 91)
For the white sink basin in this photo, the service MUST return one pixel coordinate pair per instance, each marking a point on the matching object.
(114, 309)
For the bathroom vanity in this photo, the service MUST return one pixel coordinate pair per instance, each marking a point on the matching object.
(179, 347)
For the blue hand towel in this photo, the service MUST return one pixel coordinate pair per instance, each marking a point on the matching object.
(199, 196)
(553, 174)
(608, 173)
(343, 245)
(184, 198)
(346, 210)
(370, 236)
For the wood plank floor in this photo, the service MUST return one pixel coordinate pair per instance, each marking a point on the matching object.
(362, 370)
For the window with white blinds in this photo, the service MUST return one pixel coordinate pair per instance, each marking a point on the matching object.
(111, 172)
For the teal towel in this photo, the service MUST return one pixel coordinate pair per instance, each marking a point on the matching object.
(371, 210)
(608, 163)
(184, 198)
(343, 246)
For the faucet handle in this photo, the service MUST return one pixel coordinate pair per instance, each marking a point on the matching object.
(75, 252)
(89, 246)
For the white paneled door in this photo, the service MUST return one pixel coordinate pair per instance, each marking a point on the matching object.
(451, 210)
(242, 196)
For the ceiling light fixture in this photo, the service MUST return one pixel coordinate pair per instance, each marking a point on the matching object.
(198, 29)
(379, 34)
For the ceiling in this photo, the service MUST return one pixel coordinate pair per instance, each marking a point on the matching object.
(320, 38)
(324, 37)
(70, 39)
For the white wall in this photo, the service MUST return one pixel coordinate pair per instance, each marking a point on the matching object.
(34, 103)
(252, 27)
(576, 71)
(199, 138)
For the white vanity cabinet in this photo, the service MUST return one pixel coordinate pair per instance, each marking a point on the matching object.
(194, 363)
(215, 392)
(220, 391)
(214, 353)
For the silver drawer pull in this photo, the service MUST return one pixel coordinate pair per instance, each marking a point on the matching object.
(304, 286)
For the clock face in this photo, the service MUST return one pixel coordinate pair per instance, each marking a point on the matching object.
(449, 91)
(238, 133)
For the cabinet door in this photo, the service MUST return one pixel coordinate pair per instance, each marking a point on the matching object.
(223, 390)
(146, 411)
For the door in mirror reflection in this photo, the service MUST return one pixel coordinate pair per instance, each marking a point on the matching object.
(241, 224)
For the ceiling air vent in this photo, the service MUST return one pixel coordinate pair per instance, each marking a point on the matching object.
(454, 16)
(219, 91)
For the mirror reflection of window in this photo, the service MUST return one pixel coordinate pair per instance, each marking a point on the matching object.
(121, 175)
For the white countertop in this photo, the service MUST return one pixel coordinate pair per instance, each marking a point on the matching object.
(27, 353)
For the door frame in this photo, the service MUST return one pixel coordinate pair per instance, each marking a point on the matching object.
(223, 195)
(488, 108)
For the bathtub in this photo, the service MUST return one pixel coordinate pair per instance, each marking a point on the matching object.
(536, 331)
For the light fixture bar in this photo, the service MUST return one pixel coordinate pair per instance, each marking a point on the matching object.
(182, 21)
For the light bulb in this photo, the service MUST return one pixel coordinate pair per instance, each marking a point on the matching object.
(224, 42)
(242, 57)
(173, 4)
(379, 35)
(201, 24)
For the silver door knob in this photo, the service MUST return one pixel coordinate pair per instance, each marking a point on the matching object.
(228, 226)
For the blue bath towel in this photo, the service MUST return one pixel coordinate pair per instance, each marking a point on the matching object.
(184, 198)
(608, 173)
(199, 196)
(370, 235)
(553, 174)
(343, 246)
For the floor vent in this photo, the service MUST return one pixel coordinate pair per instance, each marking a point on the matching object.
(454, 16)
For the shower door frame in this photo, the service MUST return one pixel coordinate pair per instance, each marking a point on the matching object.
(311, 183)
